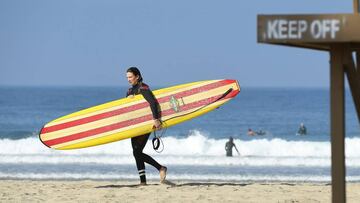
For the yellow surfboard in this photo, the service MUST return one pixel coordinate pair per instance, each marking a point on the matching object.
(130, 117)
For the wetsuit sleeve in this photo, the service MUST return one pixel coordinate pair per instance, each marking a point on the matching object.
(235, 147)
(128, 92)
(149, 97)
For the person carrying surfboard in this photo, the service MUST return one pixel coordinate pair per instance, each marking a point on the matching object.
(138, 143)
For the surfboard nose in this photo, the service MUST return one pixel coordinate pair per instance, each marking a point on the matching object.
(236, 88)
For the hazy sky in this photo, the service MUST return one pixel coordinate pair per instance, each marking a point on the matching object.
(88, 42)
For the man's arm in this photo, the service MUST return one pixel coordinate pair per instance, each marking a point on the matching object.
(149, 97)
(237, 149)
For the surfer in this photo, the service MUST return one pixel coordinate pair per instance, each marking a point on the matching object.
(138, 143)
(302, 129)
(228, 147)
(260, 132)
(251, 132)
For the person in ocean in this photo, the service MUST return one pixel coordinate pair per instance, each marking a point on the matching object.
(229, 145)
(260, 132)
(302, 129)
(251, 132)
(138, 143)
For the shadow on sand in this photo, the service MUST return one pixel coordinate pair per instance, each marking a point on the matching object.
(169, 183)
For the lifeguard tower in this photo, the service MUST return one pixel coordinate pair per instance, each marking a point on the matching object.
(338, 34)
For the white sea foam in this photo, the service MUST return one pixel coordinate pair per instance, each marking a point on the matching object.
(196, 149)
(182, 177)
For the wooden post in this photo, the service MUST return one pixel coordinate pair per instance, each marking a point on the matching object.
(353, 78)
(358, 63)
(347, 35)
(337, 120)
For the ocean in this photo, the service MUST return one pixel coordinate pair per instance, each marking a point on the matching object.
(193, 150)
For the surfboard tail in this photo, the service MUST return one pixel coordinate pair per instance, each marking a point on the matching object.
(40, 137)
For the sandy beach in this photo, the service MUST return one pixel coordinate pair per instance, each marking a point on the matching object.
(129, 191)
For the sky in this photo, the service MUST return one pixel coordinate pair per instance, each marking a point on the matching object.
(93, 42)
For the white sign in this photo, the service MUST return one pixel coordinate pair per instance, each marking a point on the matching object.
(295, 29)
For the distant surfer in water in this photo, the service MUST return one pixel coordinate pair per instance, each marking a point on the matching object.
(251, 132)
(228, 147)
(138, 143)
(302, 129)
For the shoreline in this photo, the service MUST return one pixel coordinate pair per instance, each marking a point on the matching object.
(25, 190)
(290, 182)
(180, 180)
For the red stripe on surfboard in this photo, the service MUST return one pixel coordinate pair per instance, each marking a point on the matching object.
(131, 108)
(93, 118)
(115, 126)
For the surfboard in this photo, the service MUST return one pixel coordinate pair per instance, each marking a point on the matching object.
(129, 117)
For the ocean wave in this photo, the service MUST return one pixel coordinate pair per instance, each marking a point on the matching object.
(176, 160)
(195, 149)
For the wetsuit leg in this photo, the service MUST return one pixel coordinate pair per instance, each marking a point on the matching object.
(138, 143)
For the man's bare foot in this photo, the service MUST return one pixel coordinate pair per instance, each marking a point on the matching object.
(163, 170)
(142, 184)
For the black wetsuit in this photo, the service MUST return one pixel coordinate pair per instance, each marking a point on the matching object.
(228, 148)
(138, 143)
(302, 130)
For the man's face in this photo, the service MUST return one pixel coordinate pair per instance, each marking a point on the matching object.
(132, 79)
